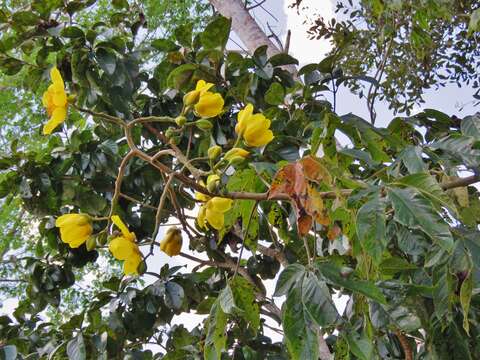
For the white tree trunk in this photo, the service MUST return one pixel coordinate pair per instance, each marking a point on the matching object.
(244, 25)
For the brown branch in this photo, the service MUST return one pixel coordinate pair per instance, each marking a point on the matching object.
(118, 181)
(461, 182)
(407, 349)
(274, 253)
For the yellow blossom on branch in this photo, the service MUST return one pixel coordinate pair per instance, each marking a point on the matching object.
(55, 101)
(192, 97)
(209, 105)
(236, 152)
(124, 248)
(254, 128)
(213, 212)
(75, 229)
(172, 242)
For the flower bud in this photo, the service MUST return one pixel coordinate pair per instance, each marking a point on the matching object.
(172, 242)
(236, 160)
(175, 140)
(91, 243)
(191, 98)
(236, 152)
(180, 120)
(203, 124)
(169, 133)
(212, 182)
(214, 152)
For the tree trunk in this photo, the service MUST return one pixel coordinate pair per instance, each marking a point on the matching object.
(252, 36)
(244, 25)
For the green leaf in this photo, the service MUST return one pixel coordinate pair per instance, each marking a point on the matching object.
(416, 212)
(470, 126)
(394, 265)
(174, 295)
(299, 330)
(275, 94)
(8, 352)
(360, 346)
(426, 184)
(465, 298)
(72, 32)
(25, 18)
(283, 59)
(371, 227)
(120, 4)
(289, 277)
(165, 45)
(76, 348)
(474, 23)
(183, 34)
(216, 338)
(411, 157)
(181, 76)
(215, 35)
(333, 274)
(107, 60)
(239, 299)
(317, 301)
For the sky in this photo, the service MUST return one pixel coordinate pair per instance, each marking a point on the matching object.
(280, 18)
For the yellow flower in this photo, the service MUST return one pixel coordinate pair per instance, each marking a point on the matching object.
(236, 152)
(209, 105)
(254, 128)
(172, 242)
(124, 248)
(55, 101)
(75, 229)
(213, 212)
(193, 96)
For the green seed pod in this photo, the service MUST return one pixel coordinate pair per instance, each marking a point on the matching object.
(203, 124)
(180, 120)
(214, 152)
(91, 243)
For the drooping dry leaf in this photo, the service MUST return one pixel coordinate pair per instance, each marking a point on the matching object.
(295, 181)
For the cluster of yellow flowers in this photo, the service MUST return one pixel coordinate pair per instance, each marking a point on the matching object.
(55, 101)
(254, 129)
(76, 229)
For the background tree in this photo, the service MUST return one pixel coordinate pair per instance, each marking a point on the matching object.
(394, 50)
(238, 159)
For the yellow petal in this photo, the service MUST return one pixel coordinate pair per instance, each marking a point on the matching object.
(122, 248)
(56, 77)
(76, 235)
(201, 197)
(213, 178)
(60, 99)
(216, 219)
(58, 117)
(172, 242)
(243, 118)
(201, 217)
(220, 204)
(72, 219)
(203, 86)
(259, 139)
(123, 228)
(130, 265)
(209, 105)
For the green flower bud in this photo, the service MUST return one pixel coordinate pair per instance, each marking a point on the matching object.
(91, 243)
(175, 140)
(169, 133)
(203, 124)
(214, 152)
(142, 268)
(180, 120)
(236, 160)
